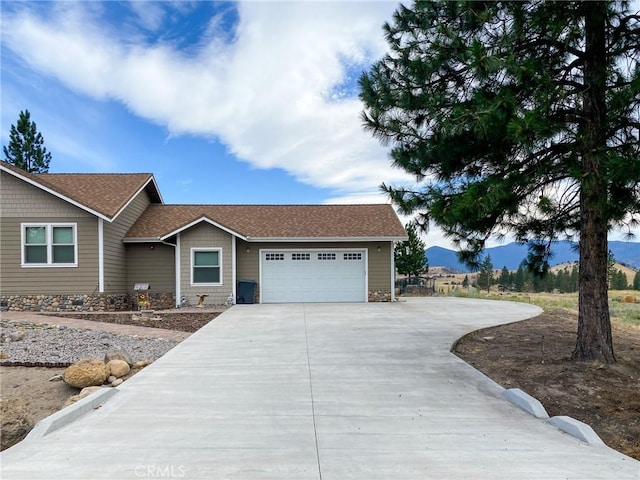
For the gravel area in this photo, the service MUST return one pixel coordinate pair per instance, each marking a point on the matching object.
(26, 342)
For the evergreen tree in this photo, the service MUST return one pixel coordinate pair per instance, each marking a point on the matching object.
(409, 255)
(465, 281)
(505, 278)
(619, 280)
(519, 279)
(636, 281)
(516, 117)
(485, 276)
(26, 146)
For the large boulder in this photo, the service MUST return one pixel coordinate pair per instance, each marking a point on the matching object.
(16, 422)
(118, 368)
(117, 353)
(87, 372)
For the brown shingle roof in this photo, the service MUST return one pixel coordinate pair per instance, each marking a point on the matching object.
(274, 221)
(104, 193)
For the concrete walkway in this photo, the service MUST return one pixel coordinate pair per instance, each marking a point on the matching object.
(323, 392)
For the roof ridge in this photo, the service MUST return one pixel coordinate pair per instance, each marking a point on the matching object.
(270, 204)
(93, 173)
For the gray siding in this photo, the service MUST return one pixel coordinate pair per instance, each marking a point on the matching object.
(378, 267)
(207, 236)
(115, 255)
(21, 202)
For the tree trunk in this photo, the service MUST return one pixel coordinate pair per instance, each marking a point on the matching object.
(594, 341)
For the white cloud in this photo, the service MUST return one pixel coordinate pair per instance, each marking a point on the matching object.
(275, 96)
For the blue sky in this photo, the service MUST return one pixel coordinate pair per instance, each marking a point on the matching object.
(225, 102)
(252, 102)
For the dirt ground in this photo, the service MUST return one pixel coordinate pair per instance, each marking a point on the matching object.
(183, 321)
(533, 355)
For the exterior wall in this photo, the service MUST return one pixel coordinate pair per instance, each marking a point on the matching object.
(21, 202)
(115, 253)
(378, 267)
(155, 266)
(205, 235)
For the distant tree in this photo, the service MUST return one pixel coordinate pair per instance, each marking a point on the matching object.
(485, 274)
(465, 281)
(409, 255)
(636, 281)
(519, 279)
(26, 146)
(505, 278)
(619, 280)
(518, 117)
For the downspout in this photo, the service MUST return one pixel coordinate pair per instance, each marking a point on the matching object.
(176, 248)
(233, 268)
(393, 273)
(100, 255)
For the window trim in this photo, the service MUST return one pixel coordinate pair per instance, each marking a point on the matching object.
(193, 266)
(48, 226)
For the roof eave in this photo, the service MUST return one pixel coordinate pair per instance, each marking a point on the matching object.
(142, 240)
(325, 239)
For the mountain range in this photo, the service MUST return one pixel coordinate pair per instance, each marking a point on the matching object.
(512, 254)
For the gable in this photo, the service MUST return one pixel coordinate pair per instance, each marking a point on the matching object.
(103, 195)
(19, 199)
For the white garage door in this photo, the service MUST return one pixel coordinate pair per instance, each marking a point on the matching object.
(293, 276)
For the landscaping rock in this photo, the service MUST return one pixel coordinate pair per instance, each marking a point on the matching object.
(116, 382)
(118, 353)
(118, 368)
(141, 364)
(87, 372)
(83, 393)
(16, 422)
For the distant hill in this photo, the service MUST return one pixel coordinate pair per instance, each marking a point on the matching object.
(512, 254)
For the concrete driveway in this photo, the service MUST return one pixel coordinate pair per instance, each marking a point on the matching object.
(310, 391)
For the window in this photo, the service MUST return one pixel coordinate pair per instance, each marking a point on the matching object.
(49, 245)
(352, 256)
(274, 256)
(206, 266)
(300, 256)
(326, 256)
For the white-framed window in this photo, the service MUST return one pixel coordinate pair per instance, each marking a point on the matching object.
(274, 256)
(300, 256)
(326, 256)
(206, 266)
(352, 256)
(49, 244)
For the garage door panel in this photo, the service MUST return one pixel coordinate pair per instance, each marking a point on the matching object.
(313, 276)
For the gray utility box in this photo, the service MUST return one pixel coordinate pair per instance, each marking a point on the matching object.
(246, 291)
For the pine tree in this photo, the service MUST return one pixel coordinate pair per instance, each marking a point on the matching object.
(505, 278)
(636, 281)
(26, 146)
(520, 118)
(519, 279)
(485, 276)
(409, 255)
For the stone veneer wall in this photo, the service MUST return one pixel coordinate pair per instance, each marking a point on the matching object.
(83, 303)
(379, 295)
(110, 303)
